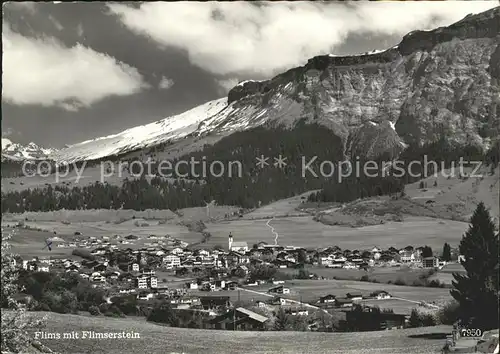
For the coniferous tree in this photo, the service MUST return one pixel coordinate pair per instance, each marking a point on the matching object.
(477, 292)
(446, 256)
(427, 251)
(281, 322)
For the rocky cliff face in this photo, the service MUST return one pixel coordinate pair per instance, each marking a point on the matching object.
(444, 81)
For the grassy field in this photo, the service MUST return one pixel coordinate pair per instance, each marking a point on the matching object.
(310, 291)
(445, 275)
(159, 339)
(304, 231)
(380, 274)
(29, 242)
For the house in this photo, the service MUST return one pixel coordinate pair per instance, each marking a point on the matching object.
(380, 294)
(243, 269)
(135, 267)
(97, 277)
(145, 295)
(375, 250)
(370, 319)
(148, 271)
(192, 285)
(279, 301)
(239, 319)
(297, 311)
(343, 303)
(282, 263)
(279, 290)
(235, 257)
(232, 285)
(214, 302)
(336, 264)
(327, 299)
(407, 257)
(430, 262)
(355, 295)
(43, 268)
(261, 304)
(145, 282)
(177, 251)
(171, 261)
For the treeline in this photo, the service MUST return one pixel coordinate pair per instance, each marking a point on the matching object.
(309, 145)
(62, 293)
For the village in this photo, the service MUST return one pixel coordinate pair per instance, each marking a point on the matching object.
(209, 280)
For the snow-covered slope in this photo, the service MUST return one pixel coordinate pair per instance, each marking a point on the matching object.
(18, 152)
(175, 127)
(445, 81)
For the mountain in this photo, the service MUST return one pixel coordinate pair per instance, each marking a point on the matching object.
(442, 83)
(17, 152)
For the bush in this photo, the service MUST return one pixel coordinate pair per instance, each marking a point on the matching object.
(418, 319)
(83, 253)
(364, 278)
(428, 320)
(449, 314)
(94, 311)
(399, 281)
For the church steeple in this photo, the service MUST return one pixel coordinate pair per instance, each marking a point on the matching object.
(230, 241)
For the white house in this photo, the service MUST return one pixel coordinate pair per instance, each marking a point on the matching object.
(279, 290)
(172, 260)
(407, 257)
(177, 251)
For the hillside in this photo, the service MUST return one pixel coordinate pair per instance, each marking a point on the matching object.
(158, 339)
(450, 198)
(434, 83)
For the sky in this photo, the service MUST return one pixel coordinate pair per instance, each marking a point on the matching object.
(77, 71)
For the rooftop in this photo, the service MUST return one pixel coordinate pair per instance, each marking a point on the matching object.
(252, 315)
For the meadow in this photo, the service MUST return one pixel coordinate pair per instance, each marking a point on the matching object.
(405, 298)
(379, 274)
(303, 231)
(160, 339)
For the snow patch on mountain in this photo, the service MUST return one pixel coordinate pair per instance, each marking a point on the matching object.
(18, 152)
(171, 128)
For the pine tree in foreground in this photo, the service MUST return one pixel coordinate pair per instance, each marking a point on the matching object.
(477, 292)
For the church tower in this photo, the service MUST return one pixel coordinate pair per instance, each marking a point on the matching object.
(230, 241)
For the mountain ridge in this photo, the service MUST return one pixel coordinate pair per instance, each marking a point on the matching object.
(18, 152)
(439, 82)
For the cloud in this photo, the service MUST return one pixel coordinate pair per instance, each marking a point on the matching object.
(7, 132)
(225, 85)
(228, 38)
(165, 83)
(44, 72)
(29, 6)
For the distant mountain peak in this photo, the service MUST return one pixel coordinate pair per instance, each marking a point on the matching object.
(19, 152)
